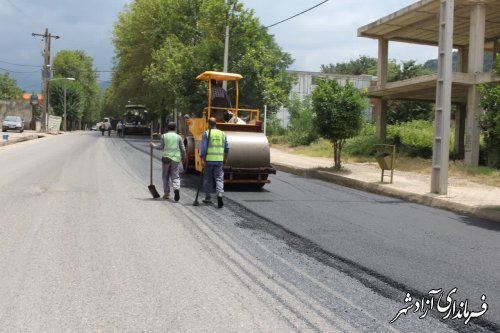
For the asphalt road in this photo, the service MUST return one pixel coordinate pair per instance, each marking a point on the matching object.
(85, 248)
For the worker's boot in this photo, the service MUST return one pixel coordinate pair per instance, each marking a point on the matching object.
(177, 195)
(220, 202)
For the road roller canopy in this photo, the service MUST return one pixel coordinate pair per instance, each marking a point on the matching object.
(219, 76)
(219, 111)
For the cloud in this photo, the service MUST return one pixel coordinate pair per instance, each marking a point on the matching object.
(326, 34)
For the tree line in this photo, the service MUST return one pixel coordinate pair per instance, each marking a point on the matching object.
(83, 96)
(162, 45)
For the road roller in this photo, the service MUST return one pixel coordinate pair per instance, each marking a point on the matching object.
(248, 161)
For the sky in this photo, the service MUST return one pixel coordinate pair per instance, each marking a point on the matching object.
(324, 35)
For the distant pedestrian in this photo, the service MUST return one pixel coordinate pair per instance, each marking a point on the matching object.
(173, 152)
(214, 150)
(106, 126)
(102, 127)
(119, 129)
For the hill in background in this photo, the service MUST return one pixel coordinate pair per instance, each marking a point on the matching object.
(488, 62)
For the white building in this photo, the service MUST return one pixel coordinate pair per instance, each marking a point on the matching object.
(306, 82)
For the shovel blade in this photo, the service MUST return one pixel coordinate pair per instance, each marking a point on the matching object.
(153, 191)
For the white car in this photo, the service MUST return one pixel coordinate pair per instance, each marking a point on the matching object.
(15, 123)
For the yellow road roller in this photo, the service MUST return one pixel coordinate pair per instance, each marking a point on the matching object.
(248, 161)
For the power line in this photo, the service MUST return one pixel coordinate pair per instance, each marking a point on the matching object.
(291, 17)
(24, 65)
(17, 8)
(91, 71)
(97, 71)
(279, 22)
(13, 64)
(11, 71)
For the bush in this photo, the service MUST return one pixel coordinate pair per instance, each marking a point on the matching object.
(414, 138)
(278, 139)
(362, 144)
(490, 124)
(273, 126)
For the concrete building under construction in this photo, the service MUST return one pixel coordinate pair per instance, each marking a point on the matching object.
(471, 27)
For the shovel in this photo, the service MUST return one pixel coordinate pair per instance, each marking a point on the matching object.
(196, 203)
(151, 187)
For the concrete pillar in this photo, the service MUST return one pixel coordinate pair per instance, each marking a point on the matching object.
(381, 119)
(441, 147)
(382, 71)
(383, 62)
(476, 65)
(463, 60)
(496, 48)
(461, 111)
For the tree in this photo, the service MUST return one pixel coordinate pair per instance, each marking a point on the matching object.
(339, 113)
(301, 129)
(405, 111)
(407, 70)
(9, 88)
(77, 64)
(490, 120)
(399, 111)
(162, 45)
(362, 65)
(74, 100)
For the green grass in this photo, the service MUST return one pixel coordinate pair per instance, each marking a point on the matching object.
(320, 148)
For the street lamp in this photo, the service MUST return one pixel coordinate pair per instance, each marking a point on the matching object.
(64, 116)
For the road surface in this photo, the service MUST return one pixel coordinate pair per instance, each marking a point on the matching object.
(85, 248)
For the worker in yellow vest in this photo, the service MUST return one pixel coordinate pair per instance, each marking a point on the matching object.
(173, 151)
(214, 150)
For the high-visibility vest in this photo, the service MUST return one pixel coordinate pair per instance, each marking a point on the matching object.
(171, 147)
(215, 150)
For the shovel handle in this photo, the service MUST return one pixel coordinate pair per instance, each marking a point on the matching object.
(151, 154)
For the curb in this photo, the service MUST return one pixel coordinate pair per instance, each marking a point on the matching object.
(17, 140)
(426, 199)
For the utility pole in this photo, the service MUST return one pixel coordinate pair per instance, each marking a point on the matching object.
(46, 75)
(226, 55)
(65, 122)
(226, 46)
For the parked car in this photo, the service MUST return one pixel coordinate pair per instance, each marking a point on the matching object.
(13, 123)
(94, 128)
